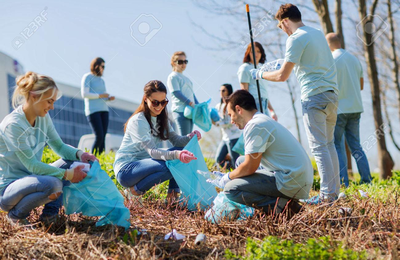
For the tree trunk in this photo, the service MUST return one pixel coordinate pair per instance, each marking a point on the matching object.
(321, 6)
(338, 14)
(294, 110)
(384, 159)
(395, 70)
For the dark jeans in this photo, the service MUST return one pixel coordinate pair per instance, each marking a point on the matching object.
(223, 149)
(99, 123)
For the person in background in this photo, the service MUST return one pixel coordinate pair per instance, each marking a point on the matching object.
(26, 182)
(276, 171)
(350, 82)
(139, 163)
(93, 90)
(182, 93)
(230, 133)
(308, 53)
(248, 83)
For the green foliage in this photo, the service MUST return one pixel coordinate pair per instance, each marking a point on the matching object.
(275, 248)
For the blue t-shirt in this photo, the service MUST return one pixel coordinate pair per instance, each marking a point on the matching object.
(95, 85)
(179, 82)
(245, 77)
(281, 154)
(314, 65)
(349, 72)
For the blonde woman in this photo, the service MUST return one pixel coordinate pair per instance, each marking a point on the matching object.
(182, 94)
(26, 182)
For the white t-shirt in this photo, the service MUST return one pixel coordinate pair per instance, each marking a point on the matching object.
(281, 153)
(229, 131)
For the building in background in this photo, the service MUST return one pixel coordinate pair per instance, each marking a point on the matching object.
(68, 115)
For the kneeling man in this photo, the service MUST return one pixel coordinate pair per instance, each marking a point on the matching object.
(275, 168)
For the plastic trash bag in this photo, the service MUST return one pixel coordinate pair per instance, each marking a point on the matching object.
(239, 146)
(188, 112)
(97, 195)
(273, 65)
(194, 187)
(225, 208)
(214, 115)
(201, 116)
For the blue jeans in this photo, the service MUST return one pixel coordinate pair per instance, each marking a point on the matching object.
(223, 149)
(27, 193)
(183, 124)
(144, 174)
(348, 126)
(257, 190)
(264, 103)
(99, 123)
(319, 116)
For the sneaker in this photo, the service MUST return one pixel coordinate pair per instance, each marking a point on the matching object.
(16, 222)
(317, 200)
(129, 196)
(49, 219)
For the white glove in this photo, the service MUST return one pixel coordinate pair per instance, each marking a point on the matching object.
(220, 183)
(256, 73)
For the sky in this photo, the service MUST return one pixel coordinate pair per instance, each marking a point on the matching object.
(136, 39)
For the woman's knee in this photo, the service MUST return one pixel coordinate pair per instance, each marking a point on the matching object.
(53, 188)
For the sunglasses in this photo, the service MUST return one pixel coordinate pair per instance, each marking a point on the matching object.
(102, 66)
(180, 62)
(280, 23)
(156, 103)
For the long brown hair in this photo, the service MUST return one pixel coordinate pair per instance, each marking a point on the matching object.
(162, 119)
(95, 66)
(247, 59)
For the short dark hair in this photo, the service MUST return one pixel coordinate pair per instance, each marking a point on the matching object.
(95, 66)
(288, 11)
(247, 59)
(243, 99)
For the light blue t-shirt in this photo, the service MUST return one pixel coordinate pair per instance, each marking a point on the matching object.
(137, 138)
(245, 77)
(281, 153)
(314, 65)
(179, 82)
(96, 86)
(21, 148)
(349, 72)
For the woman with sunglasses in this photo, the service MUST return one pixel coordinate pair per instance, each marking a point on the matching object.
(182, 94)
(230, 132)
(248, 83)
(139, 163)
(26, 182)
(93, 90)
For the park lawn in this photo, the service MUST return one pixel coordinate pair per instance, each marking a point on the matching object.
(372, 231)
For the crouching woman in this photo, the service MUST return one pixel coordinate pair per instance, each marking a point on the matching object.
(140, 163)
(25, 181)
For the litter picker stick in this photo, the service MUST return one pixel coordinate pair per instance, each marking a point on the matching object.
(254, 55)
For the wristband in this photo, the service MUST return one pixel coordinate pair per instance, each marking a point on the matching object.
(229, 177)
(79, 154)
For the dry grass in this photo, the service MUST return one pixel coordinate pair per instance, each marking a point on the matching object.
(374, 226)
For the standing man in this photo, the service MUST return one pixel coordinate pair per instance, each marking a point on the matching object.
(350, 81)
(275, 169)
(308, 53)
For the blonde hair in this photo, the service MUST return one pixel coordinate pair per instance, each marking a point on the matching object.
(175, 56)
(32, 84)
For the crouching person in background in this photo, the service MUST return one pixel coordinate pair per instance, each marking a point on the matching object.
(275, 169)
(26, 182)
